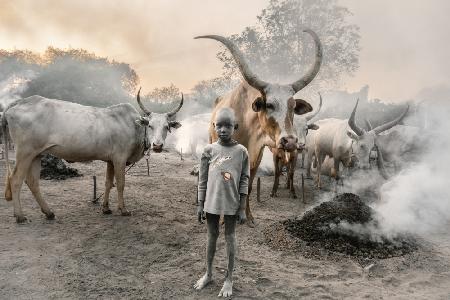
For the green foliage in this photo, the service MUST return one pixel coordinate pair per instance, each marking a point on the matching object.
(278, 49)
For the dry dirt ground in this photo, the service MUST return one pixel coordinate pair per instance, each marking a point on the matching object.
(159, 252)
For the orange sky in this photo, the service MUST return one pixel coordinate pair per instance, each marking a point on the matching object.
(405, 44)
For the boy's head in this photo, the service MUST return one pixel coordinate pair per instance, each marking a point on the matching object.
(225, 124)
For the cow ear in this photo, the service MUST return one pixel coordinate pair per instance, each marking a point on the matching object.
(236, 126)
(258, 104)
(142, 121)
(352, 135)
(302, 107)
(175, 124)
(313, 126)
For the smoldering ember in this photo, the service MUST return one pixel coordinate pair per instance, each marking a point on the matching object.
(278, 149)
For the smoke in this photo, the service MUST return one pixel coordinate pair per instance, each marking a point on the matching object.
(417, 199)
(192, 136)
(12, 87)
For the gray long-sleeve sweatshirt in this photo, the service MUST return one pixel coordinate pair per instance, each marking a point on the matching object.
(224, 174)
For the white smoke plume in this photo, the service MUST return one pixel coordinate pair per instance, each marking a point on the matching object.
(12, 87)
(417, 200)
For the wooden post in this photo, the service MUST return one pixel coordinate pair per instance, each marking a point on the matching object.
(303, 188)
(148, 167)
(181, 153)
(95, 188)
(258, 190)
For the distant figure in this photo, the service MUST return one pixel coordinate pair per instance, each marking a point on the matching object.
(222, 190)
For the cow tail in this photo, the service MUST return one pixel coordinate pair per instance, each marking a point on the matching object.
(8, 194)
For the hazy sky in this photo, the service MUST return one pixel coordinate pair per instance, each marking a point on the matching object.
(405, 43)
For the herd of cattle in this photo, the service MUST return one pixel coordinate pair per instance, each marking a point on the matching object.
(120, 135)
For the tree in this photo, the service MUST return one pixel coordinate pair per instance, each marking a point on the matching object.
(73, 75)
(164, 94)
(278, 50)
(206, 92)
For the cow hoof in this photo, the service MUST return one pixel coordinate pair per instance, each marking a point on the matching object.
(50, 216)
(21, 219)
(124, 212)
(273, 195)
(106, 211)
(294, 196)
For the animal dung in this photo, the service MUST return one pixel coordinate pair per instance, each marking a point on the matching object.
(320, 228)
(53, 167)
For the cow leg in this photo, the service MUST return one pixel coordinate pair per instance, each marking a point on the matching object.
(276, 180)
(32, 180)
(303, 159)
(250, 185)
(292, 163)
(309, 160)
(109, 183)
(16, 180)
(335, 173)
(119, 172)
(320, 157)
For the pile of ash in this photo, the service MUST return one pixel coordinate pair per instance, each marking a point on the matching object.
(321, 228)
(53, 167)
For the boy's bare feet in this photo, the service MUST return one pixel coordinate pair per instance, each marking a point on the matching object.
(227, 289)
(202, 282)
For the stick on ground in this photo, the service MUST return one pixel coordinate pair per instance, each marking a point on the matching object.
(258, 190)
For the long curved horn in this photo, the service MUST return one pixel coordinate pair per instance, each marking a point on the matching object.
(249, 76)
(368, 125)
(352, 123)
(391, 124)
(173, 112)
(313, 114)
(146, 111)
(309, 76)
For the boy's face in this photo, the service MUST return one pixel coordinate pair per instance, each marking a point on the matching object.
(225, 125)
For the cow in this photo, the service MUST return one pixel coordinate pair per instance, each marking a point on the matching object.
(118, 135)
(347, 143)
(264, 111)
(400, 144)
(284, 158)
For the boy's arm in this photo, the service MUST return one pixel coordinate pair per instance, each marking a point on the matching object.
(202, 183)
(243, 187)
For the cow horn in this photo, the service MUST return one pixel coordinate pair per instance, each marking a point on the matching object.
(313, 114)
(249, 76)
(368, 125)
(173, 112)
(309, 76)
(391, 124)
(380, 163)
(352, 123)
(146, 111)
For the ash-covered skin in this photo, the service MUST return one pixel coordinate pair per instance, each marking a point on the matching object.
(224, 125)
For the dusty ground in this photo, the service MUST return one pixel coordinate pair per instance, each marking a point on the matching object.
(158, 252)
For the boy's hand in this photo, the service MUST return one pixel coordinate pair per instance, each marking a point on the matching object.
(200, 214)
(242, 217)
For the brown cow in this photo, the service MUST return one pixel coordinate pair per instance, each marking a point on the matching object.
(284, 158)
(264, 111)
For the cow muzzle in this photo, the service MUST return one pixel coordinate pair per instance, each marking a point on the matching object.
(157, 148)
(288, 143)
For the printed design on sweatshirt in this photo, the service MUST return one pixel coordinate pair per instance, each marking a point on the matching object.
(217, 162)
(226, 176)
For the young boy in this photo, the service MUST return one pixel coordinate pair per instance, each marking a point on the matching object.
(222, 190)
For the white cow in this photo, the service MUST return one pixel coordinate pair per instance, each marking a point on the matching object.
(118, 135)
(348, 144)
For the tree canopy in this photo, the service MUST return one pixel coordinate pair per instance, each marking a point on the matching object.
(278, 50)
